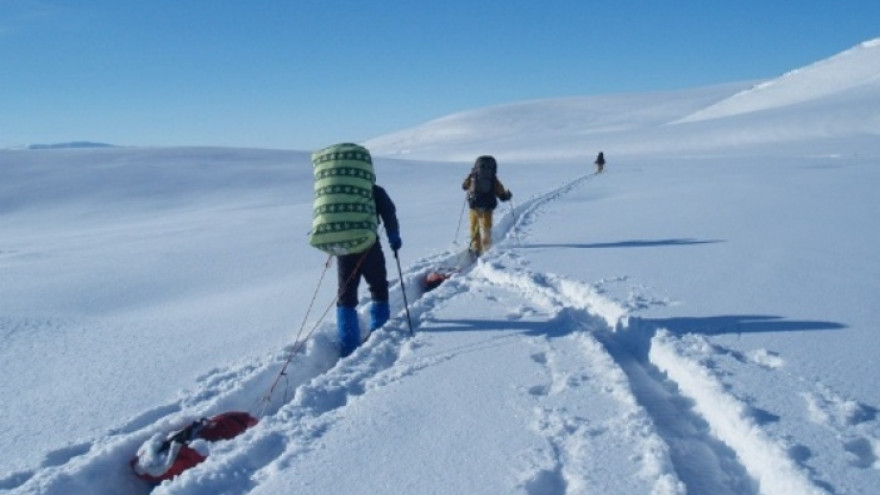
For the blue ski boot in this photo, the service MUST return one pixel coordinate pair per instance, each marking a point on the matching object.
(348, 330)
(380, 311)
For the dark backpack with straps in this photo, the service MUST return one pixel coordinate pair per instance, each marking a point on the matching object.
(484, 172)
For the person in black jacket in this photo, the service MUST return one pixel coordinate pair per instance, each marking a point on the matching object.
(600, 162)
(483, 192)
(370, 265)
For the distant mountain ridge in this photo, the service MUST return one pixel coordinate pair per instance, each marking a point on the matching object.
(69, 145)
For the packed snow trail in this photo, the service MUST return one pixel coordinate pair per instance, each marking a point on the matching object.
(602, 387)
(703, 464)
(570, 402)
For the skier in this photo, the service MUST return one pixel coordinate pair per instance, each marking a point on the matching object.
(483, 192)
(348, 209)
(600, 162)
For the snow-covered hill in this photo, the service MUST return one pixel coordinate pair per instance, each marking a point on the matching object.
(557, 128)
(700, 318)
(851, 75)
(834, 98)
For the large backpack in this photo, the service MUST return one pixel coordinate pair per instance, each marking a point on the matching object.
(344, 214)
(483, 181)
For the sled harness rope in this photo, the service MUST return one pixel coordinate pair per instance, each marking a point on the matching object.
(300, 340)
(460, 218)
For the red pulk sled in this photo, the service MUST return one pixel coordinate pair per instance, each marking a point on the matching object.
(158, 460)
(434, 279)
(437, 276)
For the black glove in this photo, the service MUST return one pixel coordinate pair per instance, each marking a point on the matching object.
(506, 196)
(394, 240)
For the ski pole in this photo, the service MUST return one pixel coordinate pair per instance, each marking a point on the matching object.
(460, 218)
(403, 289)
(513, 213)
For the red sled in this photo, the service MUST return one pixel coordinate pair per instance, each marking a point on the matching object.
(162, 459)
(434, 279)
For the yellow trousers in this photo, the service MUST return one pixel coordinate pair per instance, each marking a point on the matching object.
(481, 230)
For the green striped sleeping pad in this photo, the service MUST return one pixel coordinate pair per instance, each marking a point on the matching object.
(344, 215)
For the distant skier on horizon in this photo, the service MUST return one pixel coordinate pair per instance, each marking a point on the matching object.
(600, 162)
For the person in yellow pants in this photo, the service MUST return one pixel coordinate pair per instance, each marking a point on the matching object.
(484, 189)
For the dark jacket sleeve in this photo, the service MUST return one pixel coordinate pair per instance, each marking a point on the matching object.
(385, 209)
(500, 191)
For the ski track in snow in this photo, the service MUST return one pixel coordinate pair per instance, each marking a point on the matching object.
(659, 391)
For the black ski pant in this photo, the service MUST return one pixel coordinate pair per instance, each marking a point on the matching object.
(371, 265)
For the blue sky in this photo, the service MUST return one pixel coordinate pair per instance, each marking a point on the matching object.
(301, 74)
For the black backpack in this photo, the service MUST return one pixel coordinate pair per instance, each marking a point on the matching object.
(483, 181)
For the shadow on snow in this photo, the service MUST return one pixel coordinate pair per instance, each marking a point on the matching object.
(709, 325)
(624, 244)
(735, 324)
(549, 328)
